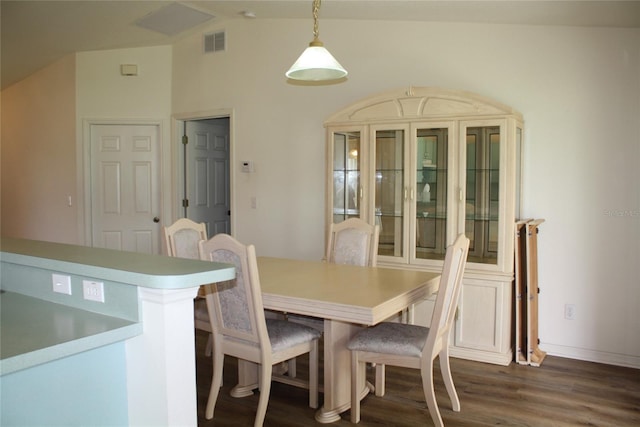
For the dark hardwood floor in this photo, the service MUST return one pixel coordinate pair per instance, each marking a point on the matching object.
(561, 392)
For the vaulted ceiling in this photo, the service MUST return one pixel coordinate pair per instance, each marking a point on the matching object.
(36, 33)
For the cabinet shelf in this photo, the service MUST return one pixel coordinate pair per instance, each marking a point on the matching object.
(350, 212)
(389, 215)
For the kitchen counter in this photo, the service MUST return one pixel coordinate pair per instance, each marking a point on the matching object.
(34, 331)
(152, 271)
(129, 360)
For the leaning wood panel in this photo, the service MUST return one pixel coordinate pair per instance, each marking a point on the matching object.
(520, 291)
(526, 293)
(535, 356)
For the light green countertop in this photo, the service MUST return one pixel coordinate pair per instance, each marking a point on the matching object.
(38, 325)
(151, 271)
(34, 331)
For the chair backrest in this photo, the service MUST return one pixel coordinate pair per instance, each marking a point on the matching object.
(448, 294)
(235, 307)
(182, 237)
(354, 242)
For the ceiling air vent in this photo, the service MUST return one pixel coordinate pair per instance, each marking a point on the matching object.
(215, 42)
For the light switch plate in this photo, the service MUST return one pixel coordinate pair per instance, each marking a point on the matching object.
(61, 283)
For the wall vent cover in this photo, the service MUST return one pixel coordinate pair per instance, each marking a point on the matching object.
(215, 42)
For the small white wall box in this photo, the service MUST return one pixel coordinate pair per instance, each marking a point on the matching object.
(247, 166)
(129, 69)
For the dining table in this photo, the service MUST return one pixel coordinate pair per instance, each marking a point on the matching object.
(347, 298)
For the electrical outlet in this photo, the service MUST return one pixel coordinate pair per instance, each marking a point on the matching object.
(93, 291)
(570, 311)
(61, 284)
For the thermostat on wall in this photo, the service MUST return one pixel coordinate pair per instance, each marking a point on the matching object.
(247, 166)
(129, 69)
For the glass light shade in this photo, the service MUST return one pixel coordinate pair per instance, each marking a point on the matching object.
(316, 63)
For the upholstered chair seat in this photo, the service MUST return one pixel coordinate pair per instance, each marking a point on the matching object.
(391, 338)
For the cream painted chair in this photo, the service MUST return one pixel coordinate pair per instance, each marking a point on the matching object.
(240, 328)
(412, 346)
(181, 240)
(353, 242)
(182, 237)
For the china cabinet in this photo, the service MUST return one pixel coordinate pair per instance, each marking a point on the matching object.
(427, 164)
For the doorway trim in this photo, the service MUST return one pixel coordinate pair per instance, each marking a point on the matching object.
(177, 167)
(85, 171)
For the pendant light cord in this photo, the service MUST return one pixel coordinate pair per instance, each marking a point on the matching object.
(316, 9)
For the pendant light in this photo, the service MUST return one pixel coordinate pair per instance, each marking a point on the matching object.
(316, 63)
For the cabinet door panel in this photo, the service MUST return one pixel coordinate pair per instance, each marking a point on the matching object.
(390, 190)
(480, 311)
(483, 309)
(482, 203)
(431, 160)
(346, 175)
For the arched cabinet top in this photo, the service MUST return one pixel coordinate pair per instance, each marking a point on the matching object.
(415, 103)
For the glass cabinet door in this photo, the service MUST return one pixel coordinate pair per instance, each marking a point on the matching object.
(483, 193)
(431, 192)
(390, 190)
(346, 175)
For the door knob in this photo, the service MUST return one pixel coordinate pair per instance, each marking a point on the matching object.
(156, 219)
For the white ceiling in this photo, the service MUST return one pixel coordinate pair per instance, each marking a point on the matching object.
(36, 33)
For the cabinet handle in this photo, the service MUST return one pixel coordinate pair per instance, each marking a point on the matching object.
(411, 193)
(405, 193)
(361, 192)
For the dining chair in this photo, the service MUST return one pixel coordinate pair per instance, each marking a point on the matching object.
(240, 328)
(182, 237)
(353, 241)
(413, 346)
(181, 241)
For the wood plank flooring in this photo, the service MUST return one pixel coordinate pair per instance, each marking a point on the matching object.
(561, 392)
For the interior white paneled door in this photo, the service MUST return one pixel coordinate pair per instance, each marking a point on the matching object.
(125, 189)
(208, 174)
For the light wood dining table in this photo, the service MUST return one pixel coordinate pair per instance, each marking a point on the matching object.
(346, 297)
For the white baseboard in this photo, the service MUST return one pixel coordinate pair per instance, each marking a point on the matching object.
(617, 359)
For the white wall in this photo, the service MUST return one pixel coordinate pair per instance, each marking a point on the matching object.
(577, 88)
(579, 92)
(39, 155)
(106, 96)
(43, 120)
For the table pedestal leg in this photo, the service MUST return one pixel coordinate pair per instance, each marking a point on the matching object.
(247, 379)
(337, 371)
